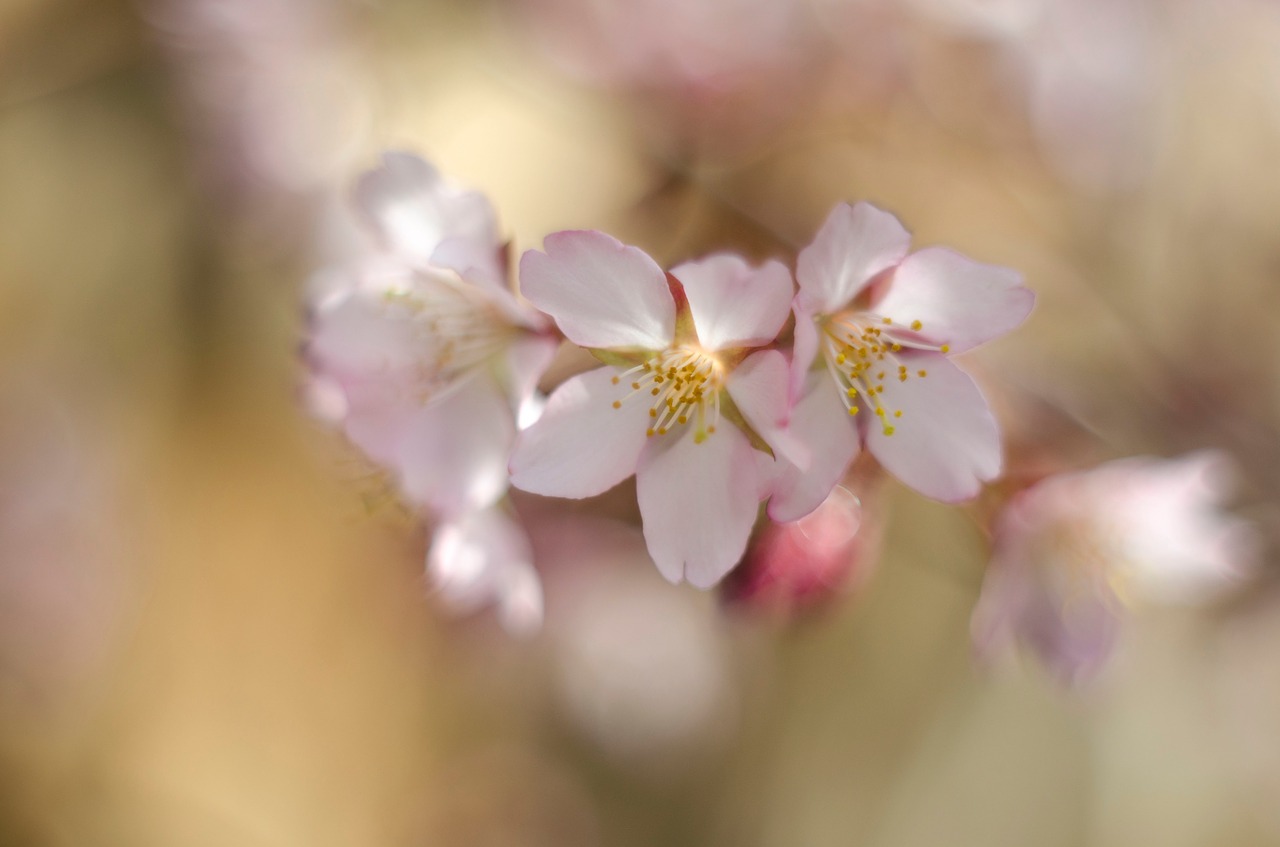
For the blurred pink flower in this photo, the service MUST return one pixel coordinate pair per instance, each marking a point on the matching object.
(425, 357)
(884, 347)
(800, 565)
(679, 359)
(1073, 551)
(422, 351)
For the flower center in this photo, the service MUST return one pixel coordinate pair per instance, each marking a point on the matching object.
(860, 351)
(683, 384)
(454, 328)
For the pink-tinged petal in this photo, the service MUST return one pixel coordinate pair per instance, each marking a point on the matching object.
(698, 503)
(453, 454)
(1070, 628)
(601, 292)
(582, 445)
(759, 387)
(804, 348)
(946, 443)
(525, 361)
(854, 244)
(485, 558)
(958, 301)
(414, 211)
(734, 304)
(820, 422)
(358, 333)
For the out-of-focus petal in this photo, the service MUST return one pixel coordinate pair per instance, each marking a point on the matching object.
(582, 445)
(601, 292)
(525, 360)
(454, 450)
(854, 244)
(1071, 629)
(414, 211)
(946, 443)
(484, 558)
(821, 423)
(698, 503)
(734, 304)
(957, 301)
(759, 388)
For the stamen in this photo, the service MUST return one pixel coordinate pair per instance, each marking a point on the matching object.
(683, 382)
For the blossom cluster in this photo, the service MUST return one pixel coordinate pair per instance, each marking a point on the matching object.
(721, 384)
(736, 394)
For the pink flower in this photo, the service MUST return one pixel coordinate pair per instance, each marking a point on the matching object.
(881, 324)
(422, 352)
(426, 358)
(683, 403)
(1072, 552)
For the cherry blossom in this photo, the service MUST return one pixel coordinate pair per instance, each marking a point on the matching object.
(425, 357)
(683, 401)
(1073, 552)
(877, 327)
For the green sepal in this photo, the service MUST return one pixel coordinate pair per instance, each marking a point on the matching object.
(729, 411)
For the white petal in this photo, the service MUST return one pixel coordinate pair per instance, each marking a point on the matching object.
(854, 244)
(485, 557)
(600, 292)
(958, 301)
(804, 348)
(581, 446)
(526, 359)
(453, 455)
(759, 387)
(698, 503)
(946, 443)
(734, 304)
(820, 422)
(414, 211)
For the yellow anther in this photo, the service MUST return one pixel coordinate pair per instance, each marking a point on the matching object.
(897, 347)
(653, 413)
(852, 392)
(879, 411)
(653, 391)
(897, 413)
(617, 404)
(946, 348)
(916, 325)
(922, 372)
(902, 377)
(888, 430)
(880, 375)
(683, 419)
(888, 320)
(616, 380)
(853, 410)
(649, 432)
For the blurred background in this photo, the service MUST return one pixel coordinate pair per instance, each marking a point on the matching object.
(213, 624)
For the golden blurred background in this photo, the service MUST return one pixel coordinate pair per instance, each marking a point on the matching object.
(213, 624)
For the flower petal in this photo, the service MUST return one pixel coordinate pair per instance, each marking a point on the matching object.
(854, 244)
(485, 557)
(453, 454)
(958, 301)
(820, 422)
(734, 304)
(601, 292)
(946, 443)
(414, 211)
(525, 361)
(759, 388)
(581, 446)
(698, 503)
(804, 347)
